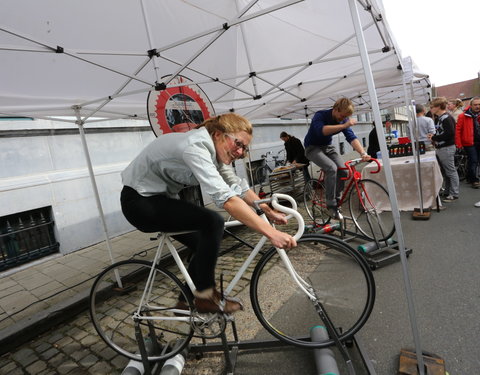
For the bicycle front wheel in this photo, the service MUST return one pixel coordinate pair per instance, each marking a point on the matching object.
(337, 276)
(315, 204)
(371, 210)
(115, 297)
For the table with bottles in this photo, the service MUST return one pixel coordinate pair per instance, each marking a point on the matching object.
(404, 177)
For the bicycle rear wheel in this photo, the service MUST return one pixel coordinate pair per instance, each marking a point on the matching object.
(371, 210)
(338, 276)
(261, 175)
(315, 204)
(112, 309)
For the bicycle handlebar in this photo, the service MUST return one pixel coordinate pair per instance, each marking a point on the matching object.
(352, 163)
(290, 212)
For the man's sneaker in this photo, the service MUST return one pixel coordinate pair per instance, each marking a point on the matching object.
(215, 302)
(334, 213)
(449, 198)
(477, 204)
(476, 185)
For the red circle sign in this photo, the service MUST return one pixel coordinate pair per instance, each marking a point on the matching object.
(179, 108)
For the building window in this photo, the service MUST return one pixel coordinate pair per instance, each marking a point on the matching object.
(342, 148)
(26, 236)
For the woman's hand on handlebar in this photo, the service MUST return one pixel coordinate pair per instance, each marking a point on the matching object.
(276, 217)
(282, 240)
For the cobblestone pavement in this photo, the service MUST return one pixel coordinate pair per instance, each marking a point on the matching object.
(74, 347)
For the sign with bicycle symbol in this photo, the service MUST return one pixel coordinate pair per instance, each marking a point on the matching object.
(179, 108)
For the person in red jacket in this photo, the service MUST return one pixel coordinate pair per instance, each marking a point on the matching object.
(467, 136)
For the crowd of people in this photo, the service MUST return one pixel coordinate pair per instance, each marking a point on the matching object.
(447, 128)
(457, 129)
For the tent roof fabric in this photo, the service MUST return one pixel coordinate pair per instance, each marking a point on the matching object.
(260, 58)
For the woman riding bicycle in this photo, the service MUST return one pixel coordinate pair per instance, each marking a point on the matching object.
(202, 157)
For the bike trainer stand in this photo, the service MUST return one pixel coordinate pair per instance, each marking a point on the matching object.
(231, 350)
(380, 254)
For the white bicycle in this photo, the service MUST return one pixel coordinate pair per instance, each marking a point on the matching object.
(321, 281)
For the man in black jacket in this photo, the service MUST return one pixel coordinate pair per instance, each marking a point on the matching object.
(295, 153)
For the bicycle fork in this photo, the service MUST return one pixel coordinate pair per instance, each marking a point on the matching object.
(311, 294)
(363, 198)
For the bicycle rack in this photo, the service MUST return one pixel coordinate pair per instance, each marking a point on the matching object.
(384, 252)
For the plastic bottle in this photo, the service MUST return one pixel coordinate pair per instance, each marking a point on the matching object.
(324, 358)
(371, 246)
(136, 367)
(174, 365)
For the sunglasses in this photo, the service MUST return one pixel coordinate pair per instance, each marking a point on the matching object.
(238, 144)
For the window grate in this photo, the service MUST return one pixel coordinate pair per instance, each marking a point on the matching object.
(26, 236)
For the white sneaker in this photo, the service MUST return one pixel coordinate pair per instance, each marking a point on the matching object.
(477, 204)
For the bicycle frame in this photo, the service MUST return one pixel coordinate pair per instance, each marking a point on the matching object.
(353, 178)
(165, 239)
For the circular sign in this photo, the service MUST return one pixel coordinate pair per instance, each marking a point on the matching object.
(179, 108)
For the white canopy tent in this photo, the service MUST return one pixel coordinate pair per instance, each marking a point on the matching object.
(94, 60)
(261, 58)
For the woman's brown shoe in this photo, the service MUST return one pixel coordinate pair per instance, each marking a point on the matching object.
(215, 303)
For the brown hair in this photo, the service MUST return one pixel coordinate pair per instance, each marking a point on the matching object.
(228, 123)
(439, 102)
(344, 106)
(457, 102)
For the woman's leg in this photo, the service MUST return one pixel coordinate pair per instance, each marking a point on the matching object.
(162, 214)
(446, 157)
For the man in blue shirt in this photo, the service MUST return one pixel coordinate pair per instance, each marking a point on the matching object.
(319, 149)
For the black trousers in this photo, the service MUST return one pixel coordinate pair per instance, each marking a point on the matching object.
(160, 213)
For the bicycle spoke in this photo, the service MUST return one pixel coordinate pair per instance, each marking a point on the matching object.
(371, 211)
(114, 313)
(314, 200)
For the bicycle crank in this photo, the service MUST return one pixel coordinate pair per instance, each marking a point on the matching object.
(209, 325)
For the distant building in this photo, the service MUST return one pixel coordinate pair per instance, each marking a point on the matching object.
(464, 90)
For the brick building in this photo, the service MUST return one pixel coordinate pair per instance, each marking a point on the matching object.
(464, 90)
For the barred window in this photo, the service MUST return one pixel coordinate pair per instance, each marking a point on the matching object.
(26, 236)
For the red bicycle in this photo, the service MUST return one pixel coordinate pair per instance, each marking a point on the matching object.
(368, 202)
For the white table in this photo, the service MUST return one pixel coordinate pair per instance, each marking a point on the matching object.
(404, 177)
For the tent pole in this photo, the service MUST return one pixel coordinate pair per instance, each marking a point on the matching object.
(80, 124)
(413, 134)
(416, 155)
(389, 177)
(412, 119)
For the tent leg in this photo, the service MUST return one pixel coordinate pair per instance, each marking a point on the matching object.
(94, 186)
(388, 174)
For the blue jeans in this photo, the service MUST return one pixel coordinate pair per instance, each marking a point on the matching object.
(473, 157)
